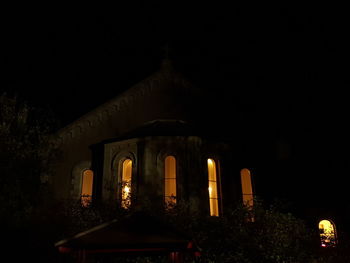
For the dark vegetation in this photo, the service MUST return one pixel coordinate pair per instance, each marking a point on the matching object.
(32, 222)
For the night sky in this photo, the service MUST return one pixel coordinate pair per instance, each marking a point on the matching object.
(286, 64)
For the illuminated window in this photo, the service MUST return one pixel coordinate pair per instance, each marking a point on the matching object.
(327, 233)
(126, 183)
(170, 181)
(247, 189)
(86, 187)
(213, 188)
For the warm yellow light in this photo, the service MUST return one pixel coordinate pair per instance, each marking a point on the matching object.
(326, 225)
(327, 233)
(247, 189)
(213, 188)
(170, 181)
(126, 189)
(86, 187)
(126, 196)
(126, 183)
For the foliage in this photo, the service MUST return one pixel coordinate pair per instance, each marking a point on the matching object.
(262, 234)
(242, 235)
(24, 158)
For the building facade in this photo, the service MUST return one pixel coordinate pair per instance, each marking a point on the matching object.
(161, 143)
(157, 143)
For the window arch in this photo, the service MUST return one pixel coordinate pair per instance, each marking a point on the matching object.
(247, 189)
(327, 233)
(126, 183)
(86, 187)
(170, 181)
(213, 188)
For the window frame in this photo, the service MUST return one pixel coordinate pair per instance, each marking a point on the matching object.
(251, 188)
(82, 197)
(170, 204)
(334, 234)
(119, 189)
(218, 186)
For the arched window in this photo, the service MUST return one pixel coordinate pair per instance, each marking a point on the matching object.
(213, 188)
(247, 189)
(170, 181)
(126, 183)
(327, 233)
(86, 187)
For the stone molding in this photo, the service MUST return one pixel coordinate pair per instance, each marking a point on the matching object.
(125, 100)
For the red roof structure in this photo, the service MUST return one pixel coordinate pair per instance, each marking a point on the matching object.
(138, 234)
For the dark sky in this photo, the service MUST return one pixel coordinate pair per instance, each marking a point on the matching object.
(286, 63)
(73, 61)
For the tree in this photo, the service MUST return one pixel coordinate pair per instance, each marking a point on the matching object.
(25, 154)
(271, 237)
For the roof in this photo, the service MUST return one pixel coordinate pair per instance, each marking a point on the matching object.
(161, 128)
(170, 127)
(139, 232)
(165, 79)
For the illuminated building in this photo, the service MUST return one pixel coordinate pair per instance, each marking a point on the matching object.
(151, 143)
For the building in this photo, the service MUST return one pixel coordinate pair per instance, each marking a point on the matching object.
(148, 144)
(159, 143)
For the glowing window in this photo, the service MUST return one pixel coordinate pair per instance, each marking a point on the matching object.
(86, 187)
(213, 188)
(170, 181)
(247, 189)
(126, 183)
(327, 233)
